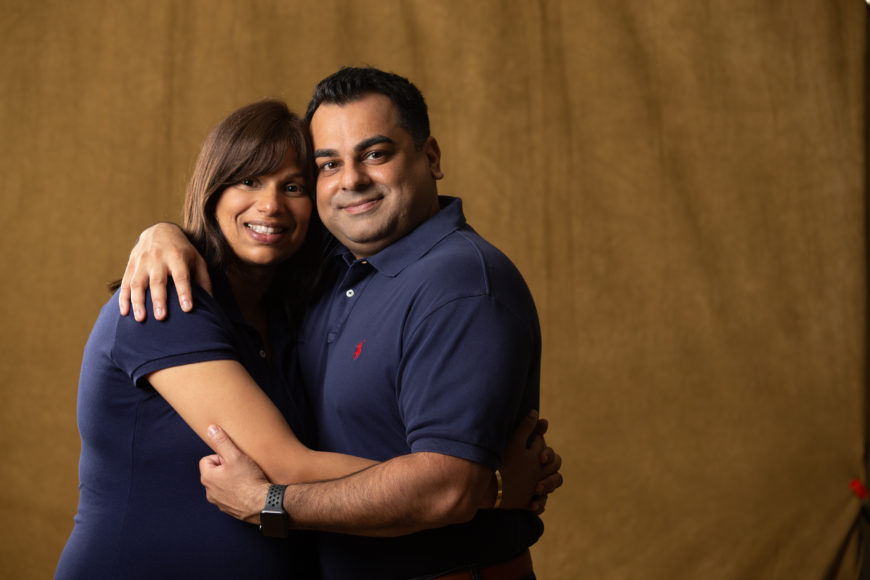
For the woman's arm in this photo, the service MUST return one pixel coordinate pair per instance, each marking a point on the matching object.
(223, 393)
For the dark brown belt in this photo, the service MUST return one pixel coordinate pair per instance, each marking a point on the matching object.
(516, 569)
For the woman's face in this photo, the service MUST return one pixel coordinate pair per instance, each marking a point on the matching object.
(264, 219)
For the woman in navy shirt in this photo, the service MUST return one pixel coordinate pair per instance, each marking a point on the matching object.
(148, 392)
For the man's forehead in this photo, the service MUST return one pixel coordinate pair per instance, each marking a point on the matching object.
(360, 119)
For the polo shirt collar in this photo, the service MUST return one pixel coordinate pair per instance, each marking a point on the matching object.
(410, 248)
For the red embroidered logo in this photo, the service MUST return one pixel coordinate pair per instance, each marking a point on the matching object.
(358, 350)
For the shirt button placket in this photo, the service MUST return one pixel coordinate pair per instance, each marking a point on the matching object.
(341, 309)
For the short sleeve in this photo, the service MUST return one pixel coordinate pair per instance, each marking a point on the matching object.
(465, 378)
(204, 334)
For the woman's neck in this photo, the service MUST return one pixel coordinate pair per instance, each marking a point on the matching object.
(249, 288)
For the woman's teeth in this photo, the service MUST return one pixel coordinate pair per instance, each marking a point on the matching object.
(264, 229)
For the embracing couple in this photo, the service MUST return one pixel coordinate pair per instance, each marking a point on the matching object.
(365, 392)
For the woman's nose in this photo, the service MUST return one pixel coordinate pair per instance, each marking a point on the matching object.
(269, 201)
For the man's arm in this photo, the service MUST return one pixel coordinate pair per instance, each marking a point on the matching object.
(412, 493)
(403, 495)
(420, 491)
(161, 251)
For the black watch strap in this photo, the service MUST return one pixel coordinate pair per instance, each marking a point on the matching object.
(273, 518)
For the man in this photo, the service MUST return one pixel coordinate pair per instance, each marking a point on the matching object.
(422, 348)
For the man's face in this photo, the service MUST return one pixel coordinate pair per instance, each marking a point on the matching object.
(373, 185)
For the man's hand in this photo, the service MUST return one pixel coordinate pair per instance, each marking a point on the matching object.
(161, 251)
(530, 469)
(232, 481)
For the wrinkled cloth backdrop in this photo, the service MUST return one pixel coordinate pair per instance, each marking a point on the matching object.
(681, 182)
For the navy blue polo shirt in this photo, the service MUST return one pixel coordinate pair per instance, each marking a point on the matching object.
(432, 344)
(142, 511)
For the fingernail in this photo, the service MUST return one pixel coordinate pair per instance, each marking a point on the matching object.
(185, 304)
(158, 311)
(212, 430)
(137, 312)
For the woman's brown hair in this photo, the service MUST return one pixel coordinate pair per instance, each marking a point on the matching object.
(249, 142)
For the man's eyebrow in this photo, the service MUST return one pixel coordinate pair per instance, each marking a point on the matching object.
(375, 140)
(361, 146)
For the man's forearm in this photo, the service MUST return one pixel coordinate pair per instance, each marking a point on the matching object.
(404, 495)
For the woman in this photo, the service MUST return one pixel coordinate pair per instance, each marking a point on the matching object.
(148, 392)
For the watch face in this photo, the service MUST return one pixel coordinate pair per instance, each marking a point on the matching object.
(272, 524)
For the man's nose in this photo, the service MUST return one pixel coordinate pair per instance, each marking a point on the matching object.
(354, 177)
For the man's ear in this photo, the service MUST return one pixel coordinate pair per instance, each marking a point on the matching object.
(433, 154)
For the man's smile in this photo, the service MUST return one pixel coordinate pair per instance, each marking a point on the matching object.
(360, 206)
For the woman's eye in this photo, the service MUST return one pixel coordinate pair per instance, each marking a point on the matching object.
(248, 182)
(293, 188)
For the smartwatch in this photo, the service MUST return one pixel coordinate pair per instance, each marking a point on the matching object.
(273, 518)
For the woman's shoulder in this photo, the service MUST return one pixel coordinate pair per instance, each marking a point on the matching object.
(207, 312)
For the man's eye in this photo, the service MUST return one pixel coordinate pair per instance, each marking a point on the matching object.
(375, 155)
(328, 166)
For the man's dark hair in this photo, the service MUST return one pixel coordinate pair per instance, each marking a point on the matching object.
(350, 84)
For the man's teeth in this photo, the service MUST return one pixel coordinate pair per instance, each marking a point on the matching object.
(264, 229)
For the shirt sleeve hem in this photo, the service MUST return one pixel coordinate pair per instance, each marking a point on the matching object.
(454, 448)
(179, 360)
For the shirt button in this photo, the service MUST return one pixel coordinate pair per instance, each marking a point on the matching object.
(262, 354)
(349, 293)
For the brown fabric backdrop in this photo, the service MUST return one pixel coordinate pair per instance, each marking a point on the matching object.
(682, 184)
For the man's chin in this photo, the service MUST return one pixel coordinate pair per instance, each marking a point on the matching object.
(362, 247)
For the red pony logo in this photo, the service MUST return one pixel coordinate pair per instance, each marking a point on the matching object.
(358, 350)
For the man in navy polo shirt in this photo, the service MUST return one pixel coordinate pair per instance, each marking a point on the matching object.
(422, 350)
